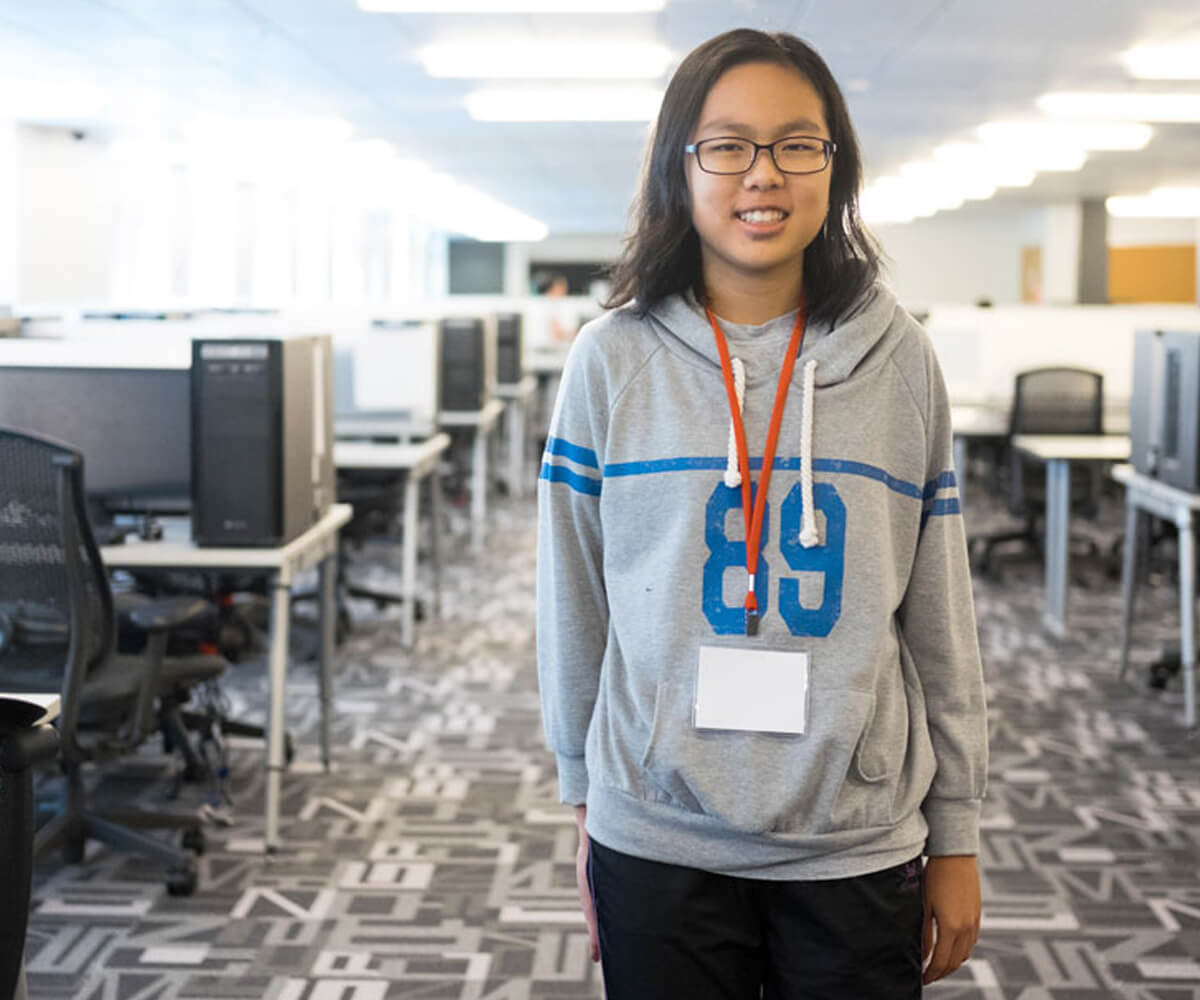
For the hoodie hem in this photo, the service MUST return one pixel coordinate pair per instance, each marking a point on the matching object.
(664, 833)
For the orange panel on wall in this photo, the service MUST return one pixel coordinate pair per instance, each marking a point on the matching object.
(1152, 273)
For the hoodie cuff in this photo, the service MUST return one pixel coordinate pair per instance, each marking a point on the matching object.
(572, 779)
(953, 826)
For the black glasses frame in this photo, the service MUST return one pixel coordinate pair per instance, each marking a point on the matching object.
(829, 146)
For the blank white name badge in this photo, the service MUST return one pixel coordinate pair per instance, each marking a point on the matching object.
(753, 690)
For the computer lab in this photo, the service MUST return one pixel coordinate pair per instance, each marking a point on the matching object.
(627, 499)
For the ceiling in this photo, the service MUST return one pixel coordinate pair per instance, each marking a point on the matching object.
(918, 72)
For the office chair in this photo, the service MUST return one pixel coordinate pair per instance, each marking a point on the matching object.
(60, 635)
(24, 744)
(375, 495)
(1055, 400)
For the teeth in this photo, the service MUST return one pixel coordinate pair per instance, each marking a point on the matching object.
(770, 215)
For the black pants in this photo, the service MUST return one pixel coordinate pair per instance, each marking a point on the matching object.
(672, 933)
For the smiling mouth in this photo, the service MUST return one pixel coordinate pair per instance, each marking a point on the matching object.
(762, 216)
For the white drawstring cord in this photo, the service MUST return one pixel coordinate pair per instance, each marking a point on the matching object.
(808, 519)
(733, 476)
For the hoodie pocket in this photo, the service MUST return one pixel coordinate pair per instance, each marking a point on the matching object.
(831, 778)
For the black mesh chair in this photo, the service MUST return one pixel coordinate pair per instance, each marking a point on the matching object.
(375, 495)
(1047, 401)
(59, 634)
(24, 743)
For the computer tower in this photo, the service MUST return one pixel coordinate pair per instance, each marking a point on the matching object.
(468, 362)
(509, 360)
(262, 439)
(1164, 414)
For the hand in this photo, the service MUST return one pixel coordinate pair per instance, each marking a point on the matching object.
(952, 903)
(581, 880)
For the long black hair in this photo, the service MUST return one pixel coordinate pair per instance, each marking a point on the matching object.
(662, 255)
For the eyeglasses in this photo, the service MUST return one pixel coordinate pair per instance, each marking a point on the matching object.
(793, 154)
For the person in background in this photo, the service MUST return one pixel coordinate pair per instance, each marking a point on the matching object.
(757, 652)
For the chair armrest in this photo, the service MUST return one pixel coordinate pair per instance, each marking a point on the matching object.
(168, 613)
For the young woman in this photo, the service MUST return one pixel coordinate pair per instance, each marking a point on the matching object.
(756, 641)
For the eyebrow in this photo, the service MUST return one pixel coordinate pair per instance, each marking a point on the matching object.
(796, 126)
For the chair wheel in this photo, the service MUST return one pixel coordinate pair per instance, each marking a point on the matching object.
(183, 881)
(193, 840)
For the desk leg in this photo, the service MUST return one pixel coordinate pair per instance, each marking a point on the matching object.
(960, 468)
(408, 559)
(435, 537)
(1128, 578)
(479, 479)
(516, 456)
(327, 581)
(277, 658)
(1058, 499)
(1187, 614)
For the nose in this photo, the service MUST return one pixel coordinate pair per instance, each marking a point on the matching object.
(763, 173)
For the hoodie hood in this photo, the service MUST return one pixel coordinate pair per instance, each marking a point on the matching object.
(862, 339)
(871, 330)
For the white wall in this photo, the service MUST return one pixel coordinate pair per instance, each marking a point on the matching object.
(981, 350)
(960, 257)
(1151, 232)
(9, 217)
(65, 217)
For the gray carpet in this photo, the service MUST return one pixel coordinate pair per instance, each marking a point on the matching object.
(434, 862)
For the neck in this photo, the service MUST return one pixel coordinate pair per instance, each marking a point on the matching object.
(753, 299)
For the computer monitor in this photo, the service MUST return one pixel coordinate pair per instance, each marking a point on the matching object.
(131, 425)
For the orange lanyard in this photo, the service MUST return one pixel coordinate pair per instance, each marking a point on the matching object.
(754, 520)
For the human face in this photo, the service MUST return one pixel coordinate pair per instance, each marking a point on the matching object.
(762, 102)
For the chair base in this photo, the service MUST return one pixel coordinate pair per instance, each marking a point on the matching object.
(120, 831)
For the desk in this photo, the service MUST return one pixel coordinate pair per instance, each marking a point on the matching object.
(1058, 451)
(317, 546)
(1179, 506)
(516, 396)
(482, 422)
(416, 461)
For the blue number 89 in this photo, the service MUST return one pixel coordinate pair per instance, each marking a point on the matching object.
(827, 559)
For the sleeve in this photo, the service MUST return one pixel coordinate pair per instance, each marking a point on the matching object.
(937, 619)
(572, 607)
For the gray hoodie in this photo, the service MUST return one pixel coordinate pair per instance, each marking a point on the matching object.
(641, 560)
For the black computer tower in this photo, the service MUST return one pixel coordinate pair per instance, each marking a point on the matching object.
(468, 363)
(262, 439)
(509, 361)
(1164, 419)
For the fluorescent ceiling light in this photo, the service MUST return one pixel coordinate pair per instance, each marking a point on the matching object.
(512, 6)
(1097, 135)
(1129, 106)
(564, 104)
(1170, 61)
(498, 59)
(1161, 203)
(986, 163)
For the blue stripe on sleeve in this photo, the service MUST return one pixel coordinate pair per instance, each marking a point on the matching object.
(946, 480)
(561, 474)
(577, 454)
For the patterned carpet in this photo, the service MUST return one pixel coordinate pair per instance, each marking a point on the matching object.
(434, 861)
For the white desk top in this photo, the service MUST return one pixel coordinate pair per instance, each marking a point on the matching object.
(1075, 447)
(1130, 478)
(416, 458)
(484, 419)
(177, 550)
(517, 390)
